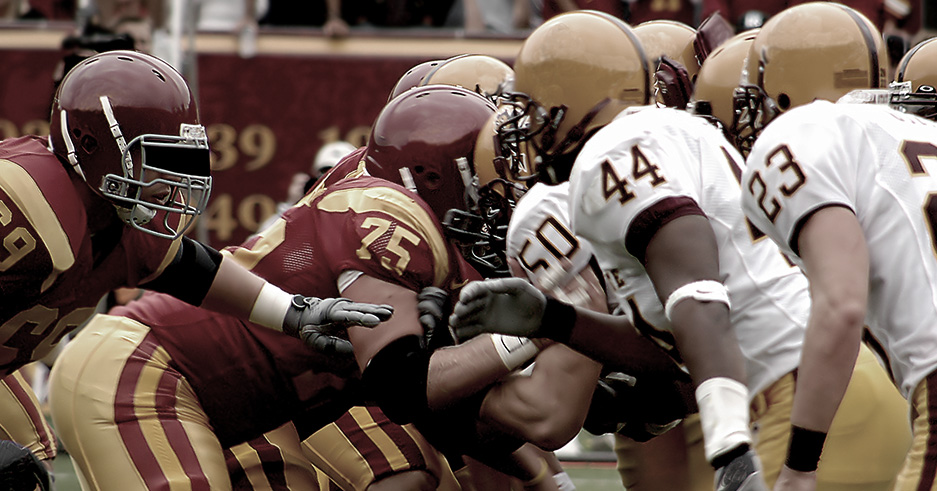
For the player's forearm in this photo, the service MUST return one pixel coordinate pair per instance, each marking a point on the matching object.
(234, 290)
(458, 372)
(831, 346)
(707, 342)
(548, 406)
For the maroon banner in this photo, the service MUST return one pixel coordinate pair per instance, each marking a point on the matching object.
(266, 115)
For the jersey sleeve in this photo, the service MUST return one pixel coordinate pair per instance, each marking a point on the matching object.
(40, 235)
(800, 164)
(633, 185)
(540, 240)
(385, 233)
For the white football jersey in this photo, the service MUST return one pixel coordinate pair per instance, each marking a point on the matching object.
(876, 162)
(644, 165)
(540, 239)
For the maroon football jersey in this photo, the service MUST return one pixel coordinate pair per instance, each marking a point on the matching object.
(53, 271)
(362, 224)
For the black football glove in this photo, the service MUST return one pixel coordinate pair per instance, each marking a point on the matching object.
(20, 470)
(739, 470)
(639, 408)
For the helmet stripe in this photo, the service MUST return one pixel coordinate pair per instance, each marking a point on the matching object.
(869, 44)
(69, 146)
(118, 136)
(637, 44)
(907, 59)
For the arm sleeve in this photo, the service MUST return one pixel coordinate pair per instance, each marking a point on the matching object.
(190, 274)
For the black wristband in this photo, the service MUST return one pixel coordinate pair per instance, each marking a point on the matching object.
(803, 452)
(724, 459)
(558, 320)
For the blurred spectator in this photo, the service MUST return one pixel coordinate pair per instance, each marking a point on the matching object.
(63, 10)
(11, 10)
(140, 29)
(684, 11)
(614, 7)
(108, 13)
(324, 13)
(736, 11)
(397, 13)
(325, 159)
(891, 17)
(500, 16)
(229, 15)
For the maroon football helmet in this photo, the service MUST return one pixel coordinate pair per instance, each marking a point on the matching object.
(424, 140)
(413, 78)
(128, 124)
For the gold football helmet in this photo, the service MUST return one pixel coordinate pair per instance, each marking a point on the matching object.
(671, 39)
(573, 74)
(718, 78)
(484, 74)
(669, 46)
(915, 86)
(508, 175)
(817, 50)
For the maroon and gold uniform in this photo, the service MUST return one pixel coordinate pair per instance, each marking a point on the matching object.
(178, 384)
(54, 273)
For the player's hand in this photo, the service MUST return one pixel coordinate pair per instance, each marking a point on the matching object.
(634, 408)
(20, 469)
(321, 322)
(434, 307)
(505, 305)
(742, 473)
(790, 479)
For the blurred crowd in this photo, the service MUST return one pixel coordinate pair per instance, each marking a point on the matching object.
(341, 17)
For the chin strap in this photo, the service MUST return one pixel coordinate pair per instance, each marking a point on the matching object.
(136, 214)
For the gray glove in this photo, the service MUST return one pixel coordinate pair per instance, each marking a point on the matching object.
(321, 322)
(434, 307)
(742, 472)
(510, 306)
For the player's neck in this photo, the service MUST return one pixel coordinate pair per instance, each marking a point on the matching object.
(100, 212)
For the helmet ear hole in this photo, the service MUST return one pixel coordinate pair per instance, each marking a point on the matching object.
(433, 180)
(784, 102)
(88, 144)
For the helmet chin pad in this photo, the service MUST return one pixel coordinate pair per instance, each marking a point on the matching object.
(136, 215)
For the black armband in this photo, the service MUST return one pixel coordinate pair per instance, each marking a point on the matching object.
(396, 379)
(558, 320)
(190, 274)
(803, 452)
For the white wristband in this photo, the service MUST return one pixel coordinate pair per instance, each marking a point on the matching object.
(703, 290)
(564, 482)
(270, 307)
(723, 412)
(514, 351)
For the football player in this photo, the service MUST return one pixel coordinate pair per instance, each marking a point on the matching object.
(541, 248)
(112, 414)
(274, 378)
(102, 203)
(846, 191)
(643, 184)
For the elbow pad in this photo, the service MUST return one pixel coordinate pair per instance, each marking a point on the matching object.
(190, 274)
(396, 379)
